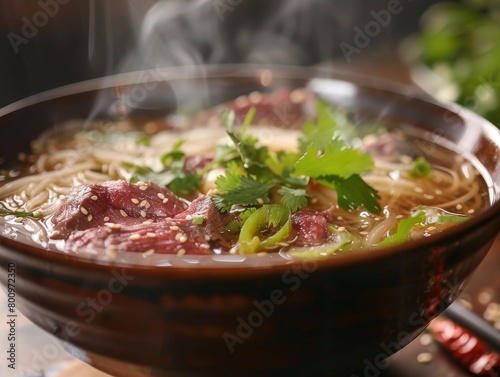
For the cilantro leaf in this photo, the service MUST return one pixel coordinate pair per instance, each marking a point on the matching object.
(138, 169)
(162, 179)
(248, 192)
(321, 132)
(237, 188)
(175, 159)
(249, 153)
(420, 168)
(336, 160)
(171, 173)
(184, 184)
(353, 192)
(294, 199)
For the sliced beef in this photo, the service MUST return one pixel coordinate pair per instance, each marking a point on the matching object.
(195, 163)
(90, 206)
(311, 228)
(284, 107)
(167, 236)
(203, 210)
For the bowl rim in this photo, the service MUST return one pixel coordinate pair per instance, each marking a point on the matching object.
(249, 71)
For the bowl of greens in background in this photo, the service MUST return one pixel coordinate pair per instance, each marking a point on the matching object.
(250, 315)
(455, 54)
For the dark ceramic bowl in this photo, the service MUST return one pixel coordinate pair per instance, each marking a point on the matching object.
(259, 316)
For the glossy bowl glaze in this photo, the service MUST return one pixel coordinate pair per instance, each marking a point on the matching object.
(332, 316)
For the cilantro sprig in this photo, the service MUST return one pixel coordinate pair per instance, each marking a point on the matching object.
(171, 172)
(254, 176)
(323, 156)
(235, 187)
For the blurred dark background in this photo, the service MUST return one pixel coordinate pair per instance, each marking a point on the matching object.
(50, 43)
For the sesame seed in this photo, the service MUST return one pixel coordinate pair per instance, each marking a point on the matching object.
(297, 96)
(431, 228)
(148, 204)
(140, 183)
(260, 201)
(174, 227)
(165, 200)
(399, 217)
(148, 253)
(135, 200)
(428, 196)
(340, 218)
(143, 187)
(262, 253)
(89, 218)
(418, 189)
(438, 192)
(93, 197)
(181, 252)
(471, 211)
(160, 195)
(123, 213)
(151, 235)
(84, 210)
(106, 218)
(364, 233)
(183, 238)
(205, 246)
(113, 225)
(111, 253)
(178, 236)
(314, 200)
(189, 217)
(143, 203)
(458, 206)
(135, 237)
(284, 244)
(424, 358)
(341, 228)
(255, 97)
(143, 213)
(18, 219)
(241, 101)
(207, 237)
(148, 222)
(426, 339)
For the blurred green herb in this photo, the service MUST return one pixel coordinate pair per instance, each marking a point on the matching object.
(459, 42)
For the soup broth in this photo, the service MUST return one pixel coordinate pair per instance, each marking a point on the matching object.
(236, 181)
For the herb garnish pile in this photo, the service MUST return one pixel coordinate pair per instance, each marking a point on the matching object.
(253, 173)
